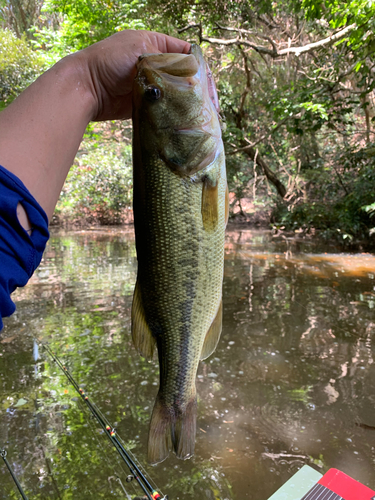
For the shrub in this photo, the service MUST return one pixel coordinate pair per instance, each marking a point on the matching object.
(19, 66)
(99, 187)
(342, 212)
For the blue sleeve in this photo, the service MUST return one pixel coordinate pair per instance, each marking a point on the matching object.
(20, 253)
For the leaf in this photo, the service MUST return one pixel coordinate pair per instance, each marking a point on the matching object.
(370, 209)
(20, 402)
(7, 340)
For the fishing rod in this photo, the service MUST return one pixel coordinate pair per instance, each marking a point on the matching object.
(3, 455)
(136, 473)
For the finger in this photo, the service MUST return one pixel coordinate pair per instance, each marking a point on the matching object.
(170, 44)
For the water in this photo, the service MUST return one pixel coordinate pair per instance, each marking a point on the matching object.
(292, 381)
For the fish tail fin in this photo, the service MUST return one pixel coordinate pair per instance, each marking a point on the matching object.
(160, 435)
(172, 428)
(185, 430)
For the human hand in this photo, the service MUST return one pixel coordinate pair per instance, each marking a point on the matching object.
(109, 68)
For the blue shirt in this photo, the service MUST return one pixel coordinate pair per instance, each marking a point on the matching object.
(20, 252)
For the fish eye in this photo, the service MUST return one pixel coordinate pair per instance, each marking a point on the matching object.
(152, 93)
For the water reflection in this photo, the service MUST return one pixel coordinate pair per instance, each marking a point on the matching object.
(291, 382)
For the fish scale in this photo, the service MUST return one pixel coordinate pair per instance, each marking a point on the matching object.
(186, 237)
(180, 216)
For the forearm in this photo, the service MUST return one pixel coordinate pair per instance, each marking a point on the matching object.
(41, 130)
(40, 133)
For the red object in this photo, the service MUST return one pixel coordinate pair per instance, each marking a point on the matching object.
(345, 486)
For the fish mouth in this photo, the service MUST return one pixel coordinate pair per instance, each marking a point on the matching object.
(205, 128)
(204, 69)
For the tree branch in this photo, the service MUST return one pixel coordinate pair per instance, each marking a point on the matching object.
(271, 176)
(248, 32)
(261, 138)
(311, 46)
(274, 52)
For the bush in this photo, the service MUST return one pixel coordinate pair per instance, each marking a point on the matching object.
(99, 187)
(342, 212)
(19, 66)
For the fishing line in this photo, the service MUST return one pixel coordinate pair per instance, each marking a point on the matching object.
(135, 471)
(129, 479)
(116, 477)
(122, 486)
(109, 431)
(3, 455)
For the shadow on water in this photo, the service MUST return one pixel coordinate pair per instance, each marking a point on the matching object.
(292, 381)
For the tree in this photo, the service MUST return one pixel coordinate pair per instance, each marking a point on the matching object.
(85, 22)
(296, 88)
(20, 15)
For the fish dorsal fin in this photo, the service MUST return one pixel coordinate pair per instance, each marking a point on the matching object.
(143, 339)
(213, 334)
(210, 209)
(226, 205)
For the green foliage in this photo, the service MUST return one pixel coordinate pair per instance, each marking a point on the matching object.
(20, 15)
(50, 44)
(309, 115)
(340, 208)
(99, 185)
(19, 65)
(340, 13)
(86, 22)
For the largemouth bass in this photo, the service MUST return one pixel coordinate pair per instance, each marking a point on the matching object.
(180, 213)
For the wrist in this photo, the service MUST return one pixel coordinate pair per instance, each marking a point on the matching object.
(73, 75)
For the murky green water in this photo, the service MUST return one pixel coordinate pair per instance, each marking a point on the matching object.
(292, 381)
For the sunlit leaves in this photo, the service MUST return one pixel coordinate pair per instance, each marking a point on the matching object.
(85, 22)
(19, 65)
(317, 108)
(99, 185)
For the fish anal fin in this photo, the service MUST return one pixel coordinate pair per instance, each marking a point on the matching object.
(143, 339)
(226, 205)
(172, 428)
(213, 334)
(210, 208)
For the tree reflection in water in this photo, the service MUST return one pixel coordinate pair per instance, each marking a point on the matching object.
(291, 382)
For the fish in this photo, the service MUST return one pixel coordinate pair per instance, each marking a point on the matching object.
(180, 204)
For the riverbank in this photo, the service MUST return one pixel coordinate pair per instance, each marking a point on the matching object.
(257, 219)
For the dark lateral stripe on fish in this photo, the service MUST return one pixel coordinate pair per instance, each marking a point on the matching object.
(180, 210)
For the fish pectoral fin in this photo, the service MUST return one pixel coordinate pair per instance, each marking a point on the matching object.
(143, 339)
(213, 334)
(210, 205)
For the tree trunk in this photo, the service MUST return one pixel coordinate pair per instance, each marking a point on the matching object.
(271, 176)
